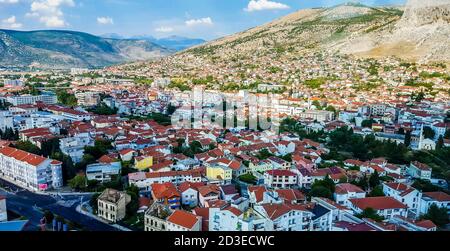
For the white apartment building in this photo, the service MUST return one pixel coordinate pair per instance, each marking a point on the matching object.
(29, 99)
(318, 115)
(88, 98)
(6, 120)
(440, 199)
(285, 217)
(74, 146)
(346, 191)
(419, 170)
(384, 206)
(280, 178)
(30, 171)
(183, 221)
(3, 213)
(405, 194)
(232, 219)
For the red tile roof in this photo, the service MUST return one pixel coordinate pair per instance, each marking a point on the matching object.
(377, 203)
(22, 156)
(183, 218)
(281, 173)
(345, 188)
(437, 196)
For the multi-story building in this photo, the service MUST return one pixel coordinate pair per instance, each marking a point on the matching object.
(440, 199)
(74, 146)
(156, 217)
(232, 219)
(6, 120)
(219, 174)
(346, 191)
(48, 99)
(166, 194)
(184, 221)
(102, 172)
(88, 98)
(145, 180)
(405, 194)
(419, 170)
(384, 206)
(3, 212)
(318, 115)
(286, 217)
(30, 171)
(112, 205)
(280, 178)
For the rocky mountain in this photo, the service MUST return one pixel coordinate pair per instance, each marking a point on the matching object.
(66, 49)
(418, 31)
(422, 34)
(176, 43)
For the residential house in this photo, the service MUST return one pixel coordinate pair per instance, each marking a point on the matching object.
(346, 191)
(280, 178)
(189, 193)
(102, 172)
(286, 217)
(208, 193)
(384, 206)
(439, 199)
(166, 194)
(419, 170)
(183, 221)
(112, 205)
(407, 195)
(155, 218)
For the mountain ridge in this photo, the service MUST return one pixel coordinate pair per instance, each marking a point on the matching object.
(64, 49)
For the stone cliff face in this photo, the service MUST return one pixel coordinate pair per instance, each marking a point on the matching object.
(425, 12)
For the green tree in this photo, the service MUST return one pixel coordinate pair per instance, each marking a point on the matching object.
(133, 206)
(408, 138)
(93, 202)
(437, 215)
(27, 146)
(376, 192)
(66, 98)
(79, 182)
(440, 143)
(321, 191)
(447, 134)
(371, 214)
(48, 216)
(428, 133)
(374, 179)
(425, 186)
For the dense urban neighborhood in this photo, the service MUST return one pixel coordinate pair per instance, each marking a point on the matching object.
(290, 126)
(102, 145)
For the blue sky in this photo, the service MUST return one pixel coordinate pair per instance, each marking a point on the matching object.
(206, 19)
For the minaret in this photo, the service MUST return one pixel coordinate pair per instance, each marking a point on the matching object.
(421, 137)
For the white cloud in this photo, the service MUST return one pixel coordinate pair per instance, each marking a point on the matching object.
(200, 21)
(164, 29)
(258, 5)
(9, 1)
(49, 12)
(11, 23)
(105, 20)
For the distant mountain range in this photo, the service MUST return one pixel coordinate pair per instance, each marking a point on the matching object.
(57, 49)
(177, 43)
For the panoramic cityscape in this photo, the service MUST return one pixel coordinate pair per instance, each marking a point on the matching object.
(258, 115)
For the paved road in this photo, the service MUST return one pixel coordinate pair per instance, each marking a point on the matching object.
(31, 205)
